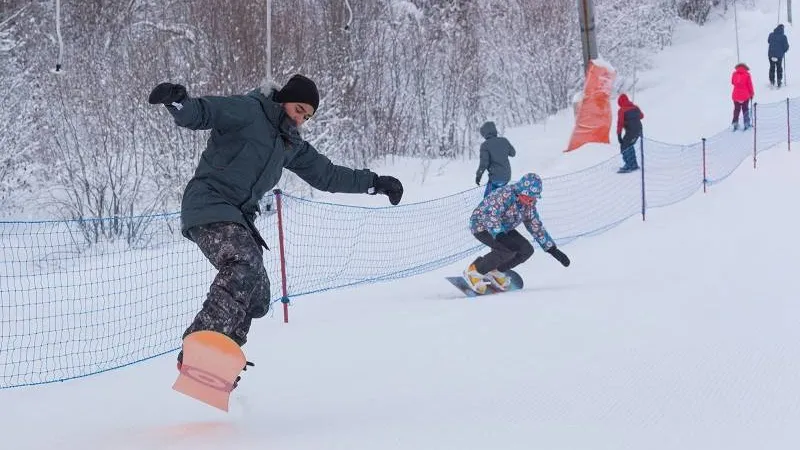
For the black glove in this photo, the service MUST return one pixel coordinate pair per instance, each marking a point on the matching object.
(478, 179)
(167, 94)
(389, 186)
(559, 255)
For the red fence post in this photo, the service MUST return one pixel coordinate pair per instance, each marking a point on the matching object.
(755, 131)
(705, 175)
(285, 297)
(788, 127)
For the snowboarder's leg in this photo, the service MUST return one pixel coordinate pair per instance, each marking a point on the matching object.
(521, 247)
(520, 250)
(779, 71)
(240, 291)
(498, 255)
(476, 273)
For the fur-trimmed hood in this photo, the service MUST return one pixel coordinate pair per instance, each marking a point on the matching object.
(268, 86)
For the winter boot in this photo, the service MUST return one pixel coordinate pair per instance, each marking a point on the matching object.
(475, 280)
(735, 125)
(498, 279)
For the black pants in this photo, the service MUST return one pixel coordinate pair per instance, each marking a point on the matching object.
(744, 108)
(240, 291)
(508, 251)
(776, 66)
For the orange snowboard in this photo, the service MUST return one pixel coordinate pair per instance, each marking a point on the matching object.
(211, 363)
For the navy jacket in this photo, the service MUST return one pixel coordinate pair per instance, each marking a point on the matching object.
(778, 44)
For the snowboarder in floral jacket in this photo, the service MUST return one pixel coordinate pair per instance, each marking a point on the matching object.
(494, 222)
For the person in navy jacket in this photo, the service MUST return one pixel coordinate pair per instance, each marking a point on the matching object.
(778, 46)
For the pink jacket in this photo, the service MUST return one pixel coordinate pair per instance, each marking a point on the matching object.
(742, 84)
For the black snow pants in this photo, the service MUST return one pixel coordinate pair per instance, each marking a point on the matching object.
(240, 291)
(508, 251)
(776, 67)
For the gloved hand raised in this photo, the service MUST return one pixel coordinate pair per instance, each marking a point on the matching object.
(559, 255)
(167, 94)
(389, 186)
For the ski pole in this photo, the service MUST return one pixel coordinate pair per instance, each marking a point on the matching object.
(783, 63)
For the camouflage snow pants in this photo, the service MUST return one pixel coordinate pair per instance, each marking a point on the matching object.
(240, 291)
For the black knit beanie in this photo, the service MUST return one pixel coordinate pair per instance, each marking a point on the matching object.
(299, 89)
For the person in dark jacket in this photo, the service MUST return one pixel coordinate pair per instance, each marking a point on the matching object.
(629, 118)
(495, 152)
(253, 138)
(778, 46)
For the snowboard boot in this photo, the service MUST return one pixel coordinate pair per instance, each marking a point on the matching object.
(475, 280)
(498, 279)
(236, 382)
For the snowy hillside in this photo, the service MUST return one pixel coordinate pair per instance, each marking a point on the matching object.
(678, 332)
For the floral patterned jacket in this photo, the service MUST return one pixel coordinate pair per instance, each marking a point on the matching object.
(500, 211)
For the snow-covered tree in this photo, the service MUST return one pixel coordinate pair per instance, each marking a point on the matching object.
(397, 77)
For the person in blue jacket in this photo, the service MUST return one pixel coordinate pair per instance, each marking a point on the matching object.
(778, 46)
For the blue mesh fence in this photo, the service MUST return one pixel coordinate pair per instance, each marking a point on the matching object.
(771, 126)
(794, 120)
(82, 297)
(672, 172)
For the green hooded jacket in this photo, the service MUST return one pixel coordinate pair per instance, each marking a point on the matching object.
(252, 140)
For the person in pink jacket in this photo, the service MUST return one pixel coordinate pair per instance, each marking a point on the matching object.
(742, 94)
